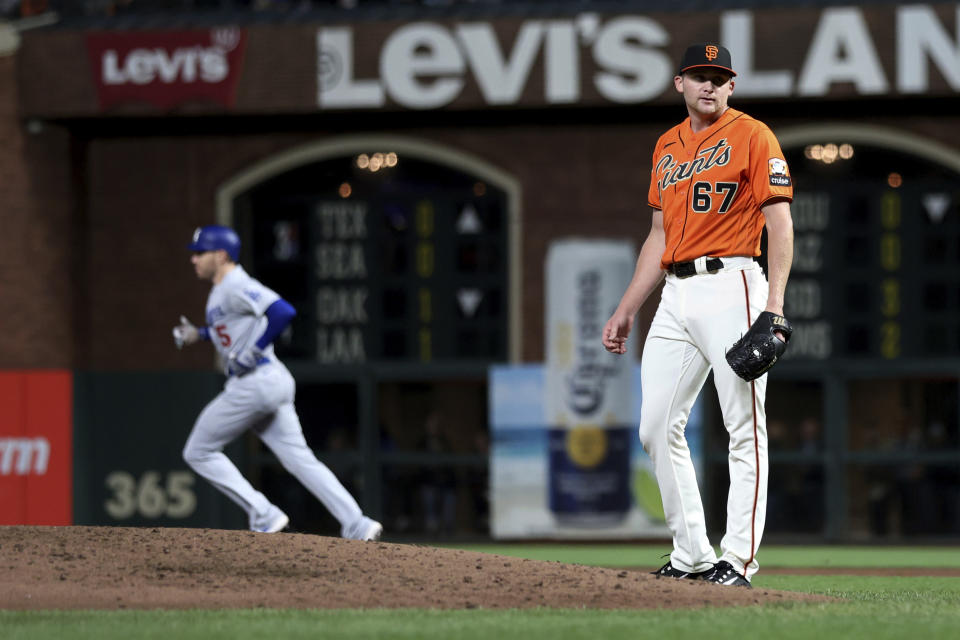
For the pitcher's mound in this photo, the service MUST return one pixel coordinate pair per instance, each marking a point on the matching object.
(154, 568)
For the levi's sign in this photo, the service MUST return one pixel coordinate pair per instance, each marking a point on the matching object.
(166, 68)
(594, 59)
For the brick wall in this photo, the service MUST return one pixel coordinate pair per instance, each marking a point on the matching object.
(36, 239)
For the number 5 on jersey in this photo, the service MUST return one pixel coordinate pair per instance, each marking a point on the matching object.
(221, 330)
(703, 201)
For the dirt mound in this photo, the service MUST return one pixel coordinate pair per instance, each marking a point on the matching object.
(144, 568)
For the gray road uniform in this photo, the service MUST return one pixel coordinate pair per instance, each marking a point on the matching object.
(261, 400)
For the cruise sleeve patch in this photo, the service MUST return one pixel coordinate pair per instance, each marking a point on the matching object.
(778, 172)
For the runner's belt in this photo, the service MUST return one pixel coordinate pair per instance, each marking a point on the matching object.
(262, 360)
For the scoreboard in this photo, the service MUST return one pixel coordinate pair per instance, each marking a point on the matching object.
(875, 272)
(405, 278)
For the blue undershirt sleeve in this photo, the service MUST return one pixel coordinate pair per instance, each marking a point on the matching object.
(279, 315)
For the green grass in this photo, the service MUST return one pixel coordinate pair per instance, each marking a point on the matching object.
(872, 608)
(641, 555)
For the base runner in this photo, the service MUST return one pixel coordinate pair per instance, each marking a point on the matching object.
(243, 319)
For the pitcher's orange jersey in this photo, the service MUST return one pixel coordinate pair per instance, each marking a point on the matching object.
(711, 185)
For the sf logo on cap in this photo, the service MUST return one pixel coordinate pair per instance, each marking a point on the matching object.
(711, 52)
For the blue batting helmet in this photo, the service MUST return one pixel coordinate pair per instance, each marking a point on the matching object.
(215, 236)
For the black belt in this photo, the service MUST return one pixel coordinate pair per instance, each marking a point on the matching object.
(687, 269)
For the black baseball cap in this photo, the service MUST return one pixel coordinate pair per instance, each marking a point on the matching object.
(707, 54)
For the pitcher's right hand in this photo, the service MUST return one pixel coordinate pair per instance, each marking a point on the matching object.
(616, 332)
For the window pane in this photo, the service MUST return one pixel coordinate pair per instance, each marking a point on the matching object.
(795, 499)
(910, 499)
(903, 415)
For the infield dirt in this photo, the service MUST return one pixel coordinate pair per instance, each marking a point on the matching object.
(157, 568)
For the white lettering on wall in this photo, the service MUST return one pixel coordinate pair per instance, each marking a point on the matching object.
(421, 66)
(842, 51)
(424, 65)
(335, 81)
(187, 64)
(335, 304)
(921, 36)
(562, 63)
(810, 340)
(340, 344)
(339, 255)
(642, 73)
(342, 220)
(810, 211)
(803, 299)
(501, 81)
(807, 252)
(736, 31)
(21, 456)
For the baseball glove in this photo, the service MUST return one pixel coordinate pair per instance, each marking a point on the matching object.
(759, 349)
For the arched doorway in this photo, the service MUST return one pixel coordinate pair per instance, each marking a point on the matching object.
(411, 195)
(401, 257)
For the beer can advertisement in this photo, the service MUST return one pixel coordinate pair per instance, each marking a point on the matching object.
(519, 464)
(587, 402)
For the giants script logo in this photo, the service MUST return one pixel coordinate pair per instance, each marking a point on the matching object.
(669, 172)
(20, 456)
(166, 68)
(712, 52)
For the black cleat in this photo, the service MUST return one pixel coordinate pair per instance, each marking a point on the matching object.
(724, 574)
(670, 571)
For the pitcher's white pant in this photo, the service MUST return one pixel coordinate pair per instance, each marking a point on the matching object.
(698, 319)
(262, 400)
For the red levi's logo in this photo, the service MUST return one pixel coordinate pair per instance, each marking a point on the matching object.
(166, 68)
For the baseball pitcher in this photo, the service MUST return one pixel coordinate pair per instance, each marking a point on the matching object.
(718, 179)
(243, 319)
